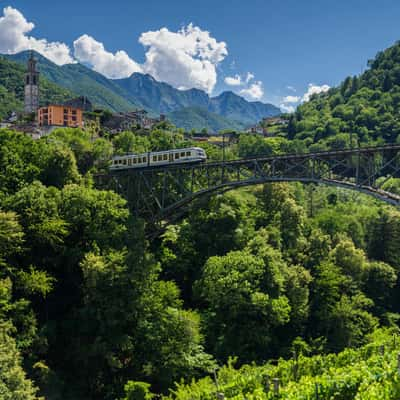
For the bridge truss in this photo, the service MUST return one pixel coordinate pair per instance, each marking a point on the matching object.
(162, 194)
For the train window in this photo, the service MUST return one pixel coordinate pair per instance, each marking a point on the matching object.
(160, 158)
(176, 155)
(135, 160)
(129, 161)
(144, 159)
(188, 154)
(154, 158)
(124, 162)
(183, 154)
(165, 157)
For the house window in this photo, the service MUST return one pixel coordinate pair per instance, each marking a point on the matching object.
(188, 154)
(165, 157)
(183, 154)
(154, 158)
(176, 156)
(160, 158)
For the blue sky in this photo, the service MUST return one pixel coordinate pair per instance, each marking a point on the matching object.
(281, 44)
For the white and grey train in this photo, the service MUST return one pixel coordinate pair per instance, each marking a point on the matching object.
(159, 158)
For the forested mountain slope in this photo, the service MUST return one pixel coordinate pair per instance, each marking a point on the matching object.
(365, 106)
(199, 118)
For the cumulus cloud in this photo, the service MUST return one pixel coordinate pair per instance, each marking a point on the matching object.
(252, 90)
(291, 99)
(286, 108)
(255, 91)
(233, 80)
(249, 77)
(118, 65)
(185, 59)
(14, 30)
(287, 101)
(238, 80)
(314, 89)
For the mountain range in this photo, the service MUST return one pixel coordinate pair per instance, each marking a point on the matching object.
(190, 109)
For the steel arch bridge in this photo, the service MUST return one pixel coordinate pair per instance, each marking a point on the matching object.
(161, 194)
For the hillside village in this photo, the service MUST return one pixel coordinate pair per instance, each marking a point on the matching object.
(73, 113)
(40, 117)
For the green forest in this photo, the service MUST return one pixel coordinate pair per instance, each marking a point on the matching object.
(278, 281)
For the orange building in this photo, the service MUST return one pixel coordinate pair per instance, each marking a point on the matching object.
(59, 115)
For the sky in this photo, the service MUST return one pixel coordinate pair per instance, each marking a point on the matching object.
(268, 50)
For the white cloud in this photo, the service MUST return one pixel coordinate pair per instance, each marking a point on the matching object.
(291, 88)
(14, 30)
(238, 80)
(291, 99)
(314, 89)
(249, 77)
(287, 101)
(118, 65)
(185, 59)
(286, 108)
(233, 80)
(254, 92)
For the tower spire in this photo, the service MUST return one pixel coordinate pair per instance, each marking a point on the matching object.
(31, 85)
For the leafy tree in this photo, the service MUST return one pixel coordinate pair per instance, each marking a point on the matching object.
(137, 391)
(244, 303)
(14, 384)
(379, 285)
(385, 237)
(128, 142)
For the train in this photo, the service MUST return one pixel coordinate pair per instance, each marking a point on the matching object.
(159, 158)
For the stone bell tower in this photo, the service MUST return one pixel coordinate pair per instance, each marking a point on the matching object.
(31, 86)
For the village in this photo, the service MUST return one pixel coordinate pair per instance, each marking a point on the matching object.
(40, 120)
